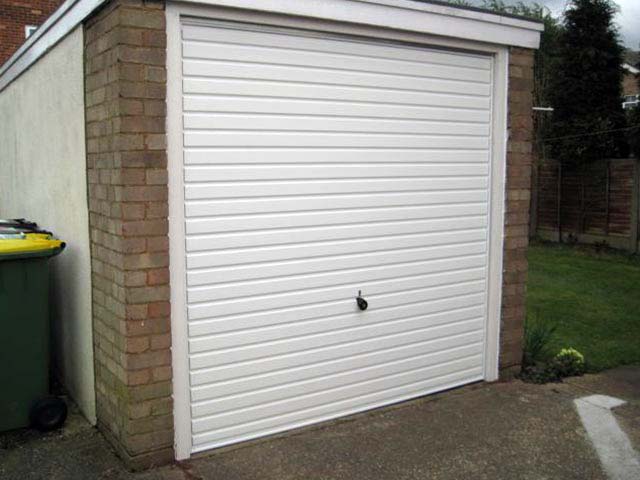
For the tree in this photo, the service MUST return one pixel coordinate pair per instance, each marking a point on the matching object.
(546, 54)
(545, 57)
(585, 89)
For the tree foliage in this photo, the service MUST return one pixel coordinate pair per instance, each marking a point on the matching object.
(577, 71)
(585, 88)
(545, 59)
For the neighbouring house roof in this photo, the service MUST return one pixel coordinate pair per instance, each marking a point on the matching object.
(630, 69)
(632, 57)
(439, 18)
(18, 19)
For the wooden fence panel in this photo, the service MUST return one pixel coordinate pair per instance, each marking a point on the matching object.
(595, 199)
(621, 197)
(571, 199)
(597, 202)
(548, 195)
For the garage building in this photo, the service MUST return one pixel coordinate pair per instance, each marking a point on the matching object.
(277, 212)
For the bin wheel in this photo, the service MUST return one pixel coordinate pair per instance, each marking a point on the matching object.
(48, 413)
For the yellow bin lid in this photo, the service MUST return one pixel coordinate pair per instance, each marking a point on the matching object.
(31, 243)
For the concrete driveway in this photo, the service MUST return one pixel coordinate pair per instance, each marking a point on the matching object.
(487, 431)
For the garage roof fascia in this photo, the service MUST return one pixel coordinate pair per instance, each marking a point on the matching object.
(408, 15)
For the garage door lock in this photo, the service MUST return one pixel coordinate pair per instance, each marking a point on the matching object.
(362, 303)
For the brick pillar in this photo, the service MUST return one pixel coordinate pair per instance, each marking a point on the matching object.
(518, 194)
(125, 90)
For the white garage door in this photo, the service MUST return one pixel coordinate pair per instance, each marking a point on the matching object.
(315, 167)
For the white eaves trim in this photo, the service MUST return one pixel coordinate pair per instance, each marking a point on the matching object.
(407, 15)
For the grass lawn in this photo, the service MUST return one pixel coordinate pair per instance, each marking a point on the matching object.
(594, 298)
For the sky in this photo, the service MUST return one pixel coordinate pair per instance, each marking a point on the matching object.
(628, 17)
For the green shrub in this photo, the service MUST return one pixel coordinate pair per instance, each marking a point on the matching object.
(537, 336)
(568, 363)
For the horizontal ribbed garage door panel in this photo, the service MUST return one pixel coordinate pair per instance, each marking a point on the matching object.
(303, 156)
(203, 121)
(336, 186)
(437, 297)
(199, 243)
(343, 278)
(338, 401)
(250, 430)
(436, 327)
(350, 334)
(343, 77)
(306, 43)
(298, 156)
(207, 296)
(235, 223)
(283, 90)
(324, 249)
(311, 172)
(216, 383)
(272, 106)
(199, 208)
(335, 310)
(301, 297)
(295, 57)
(339, 262)
(289, 139)
(315, 167)
(218, 406)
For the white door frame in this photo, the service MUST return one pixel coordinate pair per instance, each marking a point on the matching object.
(175, 12)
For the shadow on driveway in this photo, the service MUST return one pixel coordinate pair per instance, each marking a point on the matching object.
(486, 431)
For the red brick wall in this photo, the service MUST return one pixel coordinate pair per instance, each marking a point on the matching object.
(15, 15)
(518, 195)
(125, 90)
(630, 85)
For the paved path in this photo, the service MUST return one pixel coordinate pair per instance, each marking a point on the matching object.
(497, 431)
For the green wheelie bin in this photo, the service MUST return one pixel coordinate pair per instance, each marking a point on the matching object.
(24, 330)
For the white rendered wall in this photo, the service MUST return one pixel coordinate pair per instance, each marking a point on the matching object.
(43, 178)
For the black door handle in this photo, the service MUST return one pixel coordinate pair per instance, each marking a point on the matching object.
(362, 303)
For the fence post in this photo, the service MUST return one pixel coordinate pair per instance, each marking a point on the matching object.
(533, 204)
(582, 220)
(559, 209)
(606, 199)
(635, 205)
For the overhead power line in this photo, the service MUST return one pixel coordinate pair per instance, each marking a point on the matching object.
(600, 132)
